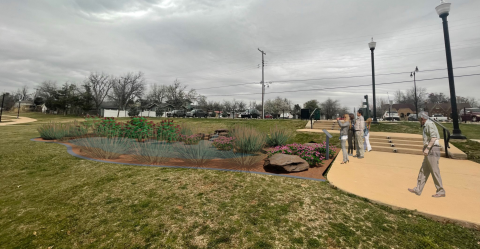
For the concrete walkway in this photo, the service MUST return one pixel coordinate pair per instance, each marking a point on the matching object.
(13, 120)
(385, 177)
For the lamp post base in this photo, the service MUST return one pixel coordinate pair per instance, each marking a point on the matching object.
(458, 136)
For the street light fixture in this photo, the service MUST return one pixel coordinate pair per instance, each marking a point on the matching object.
(412, 74)
(372, 46)
(443, 10)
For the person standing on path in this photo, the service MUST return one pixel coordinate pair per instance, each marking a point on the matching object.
(359, 127)
(351, 134)
(431, 152)
(345, 126)
(366, 144)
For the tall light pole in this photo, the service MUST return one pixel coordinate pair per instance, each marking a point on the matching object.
(412, 74)
(443, 10)
(372, 45)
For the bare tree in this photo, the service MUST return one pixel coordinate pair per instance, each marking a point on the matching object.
(126, 88)
(177, 94)
(157, 94)
(22, 93)
(100, 85)
(330, 107)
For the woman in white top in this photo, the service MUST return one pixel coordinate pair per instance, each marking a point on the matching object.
(366, 143)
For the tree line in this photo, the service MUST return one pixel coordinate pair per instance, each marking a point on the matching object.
(126, 90)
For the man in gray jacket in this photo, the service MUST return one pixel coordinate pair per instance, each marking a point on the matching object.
(359, 127)
(431, 152)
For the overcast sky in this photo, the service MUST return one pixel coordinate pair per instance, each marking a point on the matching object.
(207, 44)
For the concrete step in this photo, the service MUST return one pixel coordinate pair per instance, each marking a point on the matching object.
(397, 145)
(383, 140)
(396, 137)
(402, 151)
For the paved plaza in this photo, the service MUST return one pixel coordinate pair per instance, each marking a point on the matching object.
(385, 177)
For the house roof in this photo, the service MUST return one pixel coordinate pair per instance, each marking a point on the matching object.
(403, 106)
(108, 105)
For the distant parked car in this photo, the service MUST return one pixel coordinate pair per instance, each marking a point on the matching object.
(470, 114)
(176, 113)
(251, 113)
(413, 117)
(196, 113)
(439, 118)
(392, 115)
(268, 116)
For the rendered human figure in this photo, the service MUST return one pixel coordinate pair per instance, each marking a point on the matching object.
(431, 152)
(359, 127)
(366, 143)
(345, 125)
(351, 134)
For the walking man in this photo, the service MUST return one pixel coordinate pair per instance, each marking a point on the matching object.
(431, 152)
(359, 127)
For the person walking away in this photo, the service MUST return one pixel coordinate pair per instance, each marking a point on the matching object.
(366, 136)
(351, 134)
(345, 126)
(431, 152)
(359, 127)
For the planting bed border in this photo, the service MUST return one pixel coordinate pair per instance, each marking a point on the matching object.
(70, 151)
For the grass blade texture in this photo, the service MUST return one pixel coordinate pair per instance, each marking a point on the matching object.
(104, 148)
(53, 131)
(198, 154)
(247, 139)
(278, 136)
(153, 152)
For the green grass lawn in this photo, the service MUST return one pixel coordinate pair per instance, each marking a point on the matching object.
(49, 198)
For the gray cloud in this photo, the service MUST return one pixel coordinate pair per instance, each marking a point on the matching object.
(214, 43)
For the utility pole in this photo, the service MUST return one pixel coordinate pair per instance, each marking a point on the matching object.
(1, 110)
(263, 83)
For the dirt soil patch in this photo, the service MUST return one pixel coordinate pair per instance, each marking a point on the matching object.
(315, 172)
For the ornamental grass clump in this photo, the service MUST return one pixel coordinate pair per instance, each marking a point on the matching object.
(242, 161)
(153, 153)
(198, 154)
(104, 147)
(278, 136)
(224, 143)
(247, 139)
(76, 130)
(53, 131)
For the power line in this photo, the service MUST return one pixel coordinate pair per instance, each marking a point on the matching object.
(342, 87)
(334, 78)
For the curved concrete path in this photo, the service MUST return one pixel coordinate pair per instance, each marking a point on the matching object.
(384, 177)
(14, 120)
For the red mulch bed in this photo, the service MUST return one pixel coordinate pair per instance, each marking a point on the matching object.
(315, 172)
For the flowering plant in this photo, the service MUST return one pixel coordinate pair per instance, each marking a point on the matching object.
(138, 128)
(166, 130)
(314, 155)
(191, 139)
(107, 127)
(224, 143)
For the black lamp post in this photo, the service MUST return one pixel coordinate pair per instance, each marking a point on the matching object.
(372, 45)
(412, 74)
(443, 10)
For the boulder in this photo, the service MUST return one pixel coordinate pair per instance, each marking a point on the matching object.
(311, 144)
(285, 163)
(221, 131)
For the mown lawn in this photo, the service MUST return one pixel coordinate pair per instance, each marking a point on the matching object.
(51, 199)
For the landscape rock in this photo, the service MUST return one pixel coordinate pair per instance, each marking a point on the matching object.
(221, 131)
(311, 144)
(285, 163)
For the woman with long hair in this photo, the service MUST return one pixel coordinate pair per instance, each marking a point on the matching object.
(366, 143)
(345, 125)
